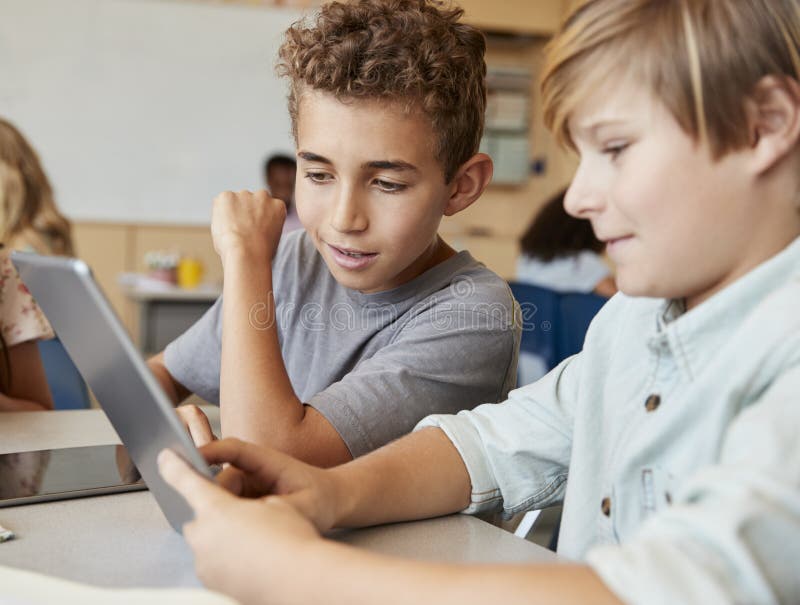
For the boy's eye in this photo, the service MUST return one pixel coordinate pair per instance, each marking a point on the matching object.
(615, 149)
(389, 187)
(318, 177)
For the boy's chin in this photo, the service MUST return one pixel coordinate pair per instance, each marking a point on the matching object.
(362, 281)
(641, 287)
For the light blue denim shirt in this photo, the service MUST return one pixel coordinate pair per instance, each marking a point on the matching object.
(673, 440)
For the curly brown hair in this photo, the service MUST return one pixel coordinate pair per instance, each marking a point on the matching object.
(410, 51)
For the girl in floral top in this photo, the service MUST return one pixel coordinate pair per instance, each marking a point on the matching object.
(23, 385)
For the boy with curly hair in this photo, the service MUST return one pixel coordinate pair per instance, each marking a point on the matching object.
(339, 338)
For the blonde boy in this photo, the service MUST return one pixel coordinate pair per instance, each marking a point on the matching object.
(338, 338)
(672, 437)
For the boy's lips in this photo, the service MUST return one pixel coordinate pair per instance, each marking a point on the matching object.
(613, 244)
(351, 258)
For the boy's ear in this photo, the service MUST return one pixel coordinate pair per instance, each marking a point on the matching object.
(469, 183)
(773, 114)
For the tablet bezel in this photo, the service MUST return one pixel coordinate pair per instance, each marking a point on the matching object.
(136, 405)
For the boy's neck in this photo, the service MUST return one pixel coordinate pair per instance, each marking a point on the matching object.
(438, 252)
(766, 251)
(441, 252)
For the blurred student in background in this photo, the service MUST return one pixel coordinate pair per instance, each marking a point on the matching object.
(561, 253)
(29, 219)
(280, 172)
(23, 386)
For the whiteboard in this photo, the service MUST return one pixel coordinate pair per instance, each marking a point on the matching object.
(144, 110)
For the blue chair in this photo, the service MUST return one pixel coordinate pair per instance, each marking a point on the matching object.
(554, 326)
(554, 323)
(68, 388)
(540, 318)
(577, 310)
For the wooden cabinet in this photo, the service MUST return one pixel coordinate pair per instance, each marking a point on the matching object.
(541, 17)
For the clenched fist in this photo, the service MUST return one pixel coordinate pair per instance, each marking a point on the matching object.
(246, 221)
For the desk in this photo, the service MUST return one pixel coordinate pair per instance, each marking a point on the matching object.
(167, 312)
(123, 540)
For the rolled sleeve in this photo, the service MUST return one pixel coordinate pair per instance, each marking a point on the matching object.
(517, 453)
(485, 495)
(733, 534)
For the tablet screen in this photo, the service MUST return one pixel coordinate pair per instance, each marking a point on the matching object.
(37, 476)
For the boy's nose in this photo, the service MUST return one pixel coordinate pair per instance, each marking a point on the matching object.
(348, 214)
(583, 198)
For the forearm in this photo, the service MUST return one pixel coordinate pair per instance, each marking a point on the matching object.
(174, 390)
(418, 476)
(257, 401)
(15, 404)
(28, 389)
(352, 576)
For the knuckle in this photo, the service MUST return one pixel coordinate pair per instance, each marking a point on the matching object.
(236, 442)
(192, 411)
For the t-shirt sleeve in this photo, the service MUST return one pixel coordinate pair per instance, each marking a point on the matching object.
(20, 317)
(429, 368)
(732, 533)
(193, 359)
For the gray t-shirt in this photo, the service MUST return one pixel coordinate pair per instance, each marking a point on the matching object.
(374, 364)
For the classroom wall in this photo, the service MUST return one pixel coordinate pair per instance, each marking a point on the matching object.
(521, 16)
(115, 248)
(143, 110)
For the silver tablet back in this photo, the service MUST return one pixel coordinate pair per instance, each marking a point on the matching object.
(130, 395)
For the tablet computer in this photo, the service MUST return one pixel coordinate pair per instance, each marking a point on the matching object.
(130, 395)
(70, 472)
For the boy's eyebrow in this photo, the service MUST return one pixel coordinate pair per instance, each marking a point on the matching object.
(391, 165)
(376, 164)
(590, 129)
(313, 157)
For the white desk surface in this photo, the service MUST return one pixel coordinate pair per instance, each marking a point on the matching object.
(123, 540)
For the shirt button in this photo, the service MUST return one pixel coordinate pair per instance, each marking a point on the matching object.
(652, 402)
(605, 506)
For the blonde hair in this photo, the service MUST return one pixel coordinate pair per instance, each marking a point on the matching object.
(28, 214)
(700, 58)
